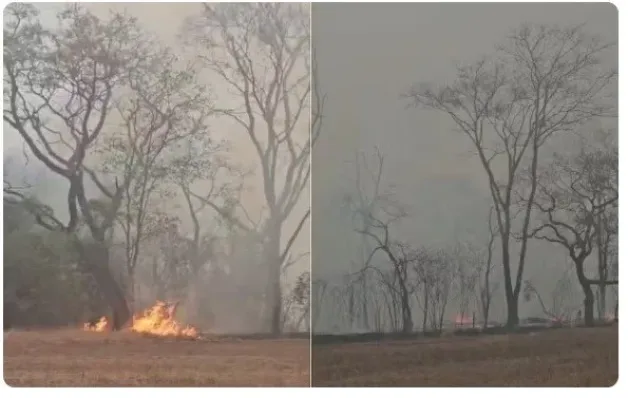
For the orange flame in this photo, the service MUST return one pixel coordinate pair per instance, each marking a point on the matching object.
(101, 326)
(159, 321)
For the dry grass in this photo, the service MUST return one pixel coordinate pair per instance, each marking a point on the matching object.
(572, 357)
(77, 358)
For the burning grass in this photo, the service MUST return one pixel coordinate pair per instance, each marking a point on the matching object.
(561, 357)
(158, 320)
(65, 358)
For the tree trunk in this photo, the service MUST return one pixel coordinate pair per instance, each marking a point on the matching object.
(365, 314)
(601, 302)
(273, 288)
(131, 291)
(512, 299)
(616, 310)
(96, 260)
(589, 298)
(588, 304)
(406, 311)
(512, 303)
(486, 305)
(425, 308)
(408, 325)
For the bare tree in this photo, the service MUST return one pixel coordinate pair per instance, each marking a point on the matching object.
(559, 310)
(374, 213)
(487, 286)
(606, 222)
(298, 302)
(573, 192)
(261, 51)
(317, 301)
(66, 89)
(545, 81)
(467, 267)
(437, 272)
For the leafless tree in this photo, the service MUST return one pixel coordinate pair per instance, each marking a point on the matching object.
(317, 301)
(298, 303)
(606, 222)
(543, 82)
(67, 89)
(365, 198)
(559, 310)
(467, 265)
(261, 51)
(486, 286)
(435, 268)
(573, 191)
(374, 213)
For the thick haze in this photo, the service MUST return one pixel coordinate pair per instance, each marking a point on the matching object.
(367, 56)
(165, 20)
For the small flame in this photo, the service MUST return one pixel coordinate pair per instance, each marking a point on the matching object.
(159, 321)
(101, 326)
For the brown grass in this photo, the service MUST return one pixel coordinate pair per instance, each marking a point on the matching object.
(77, 358)
(571, 357)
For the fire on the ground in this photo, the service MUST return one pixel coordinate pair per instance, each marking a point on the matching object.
(157, 320)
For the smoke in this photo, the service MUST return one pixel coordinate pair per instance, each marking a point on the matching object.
(225, 293)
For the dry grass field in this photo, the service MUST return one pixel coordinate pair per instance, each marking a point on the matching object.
(78, 358)
(565, 357)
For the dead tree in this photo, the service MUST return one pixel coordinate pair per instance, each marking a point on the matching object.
(545, 81)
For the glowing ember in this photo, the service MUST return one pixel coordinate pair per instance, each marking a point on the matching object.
(101, 326)
(159, 321)
(463, 320)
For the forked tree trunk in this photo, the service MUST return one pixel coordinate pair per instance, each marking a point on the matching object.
(513, 310)
(95, 258)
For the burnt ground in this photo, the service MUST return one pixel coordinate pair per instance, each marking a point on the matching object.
(77, 358)
(556, 357)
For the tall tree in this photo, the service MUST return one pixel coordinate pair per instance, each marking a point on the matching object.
(261, 52)
(67, 90)
(544, 81)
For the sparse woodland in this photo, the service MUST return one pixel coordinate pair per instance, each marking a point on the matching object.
(541, 84)
(139, 138)
(145, 144)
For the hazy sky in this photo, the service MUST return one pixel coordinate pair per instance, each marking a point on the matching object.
(166, 20)
(368, 54)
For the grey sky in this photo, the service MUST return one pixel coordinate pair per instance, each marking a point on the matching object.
(367, 55)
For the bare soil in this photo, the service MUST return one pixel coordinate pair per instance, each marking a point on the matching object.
(561, 357)
(65, 358)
